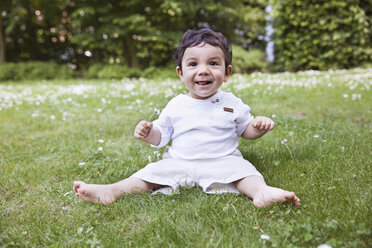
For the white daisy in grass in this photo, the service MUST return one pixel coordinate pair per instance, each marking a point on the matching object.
(324, 246)
(156, 112)
(265, 237)
(356, 96)
(101, 141)
(100, 148)
(35, 114)
(157, 154)
(67, 193)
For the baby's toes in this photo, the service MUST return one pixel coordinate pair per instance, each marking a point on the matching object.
(76, 186)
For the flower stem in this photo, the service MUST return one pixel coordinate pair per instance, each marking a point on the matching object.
(149, 119)
(290, 153)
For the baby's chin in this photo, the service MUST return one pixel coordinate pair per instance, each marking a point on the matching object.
(201, 96)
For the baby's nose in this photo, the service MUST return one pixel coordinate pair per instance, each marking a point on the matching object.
(203, 70)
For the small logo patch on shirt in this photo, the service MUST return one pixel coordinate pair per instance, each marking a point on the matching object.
(228, 109)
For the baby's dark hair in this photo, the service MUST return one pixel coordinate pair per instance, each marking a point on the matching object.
(193, 38)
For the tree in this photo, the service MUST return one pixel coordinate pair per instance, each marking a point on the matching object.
(144, 33)
(2, 41)
(4, 10)
(131, 32)
(30, 29)
(109, 29)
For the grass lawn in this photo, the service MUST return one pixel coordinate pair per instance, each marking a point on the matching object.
(55, 132)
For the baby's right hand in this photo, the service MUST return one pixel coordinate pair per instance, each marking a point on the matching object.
(143, 130)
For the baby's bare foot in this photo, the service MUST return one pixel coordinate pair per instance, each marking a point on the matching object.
(103, 194)
(270, 195)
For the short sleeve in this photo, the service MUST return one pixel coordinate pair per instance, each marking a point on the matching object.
(244, 117)
(165, 127)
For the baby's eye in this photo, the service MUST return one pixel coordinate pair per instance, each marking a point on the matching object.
(213, 63)
(192, 64)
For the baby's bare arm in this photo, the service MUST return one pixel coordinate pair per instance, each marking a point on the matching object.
(258, 127)
(146, 132)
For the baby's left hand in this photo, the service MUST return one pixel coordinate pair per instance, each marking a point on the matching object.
(263, 124)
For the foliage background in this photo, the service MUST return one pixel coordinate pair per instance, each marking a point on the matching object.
(315, 35)
(308, 34)
(134, 33)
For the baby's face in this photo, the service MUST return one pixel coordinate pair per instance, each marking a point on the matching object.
(203, 70)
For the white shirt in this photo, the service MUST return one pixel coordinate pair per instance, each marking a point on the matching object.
(203, 129)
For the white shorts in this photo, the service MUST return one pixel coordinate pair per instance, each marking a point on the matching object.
(213, 175)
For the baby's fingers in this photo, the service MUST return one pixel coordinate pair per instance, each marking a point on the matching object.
(149, 125)
(263, 124)
(142, 130)
(139, 134)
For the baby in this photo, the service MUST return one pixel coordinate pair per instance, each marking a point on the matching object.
(204, 126)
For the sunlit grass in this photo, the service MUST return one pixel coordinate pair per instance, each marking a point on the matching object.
(55, 132)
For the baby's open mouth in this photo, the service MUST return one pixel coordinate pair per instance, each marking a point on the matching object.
(203, 82)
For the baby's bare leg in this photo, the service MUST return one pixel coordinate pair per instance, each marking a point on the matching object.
(264, 195)
(109, 193)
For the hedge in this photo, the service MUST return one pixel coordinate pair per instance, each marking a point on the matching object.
(313, 34)
(34, 70)
(121, 71)
(248, 61)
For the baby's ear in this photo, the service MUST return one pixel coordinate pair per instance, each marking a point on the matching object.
(228, 72)
(179, 71)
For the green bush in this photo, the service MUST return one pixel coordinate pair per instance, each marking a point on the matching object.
(34, 70)
(248, 61)
(7, 71)
(321, 35)
(115, 71)
(92, 71)
(121, 71)
(160, 72)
